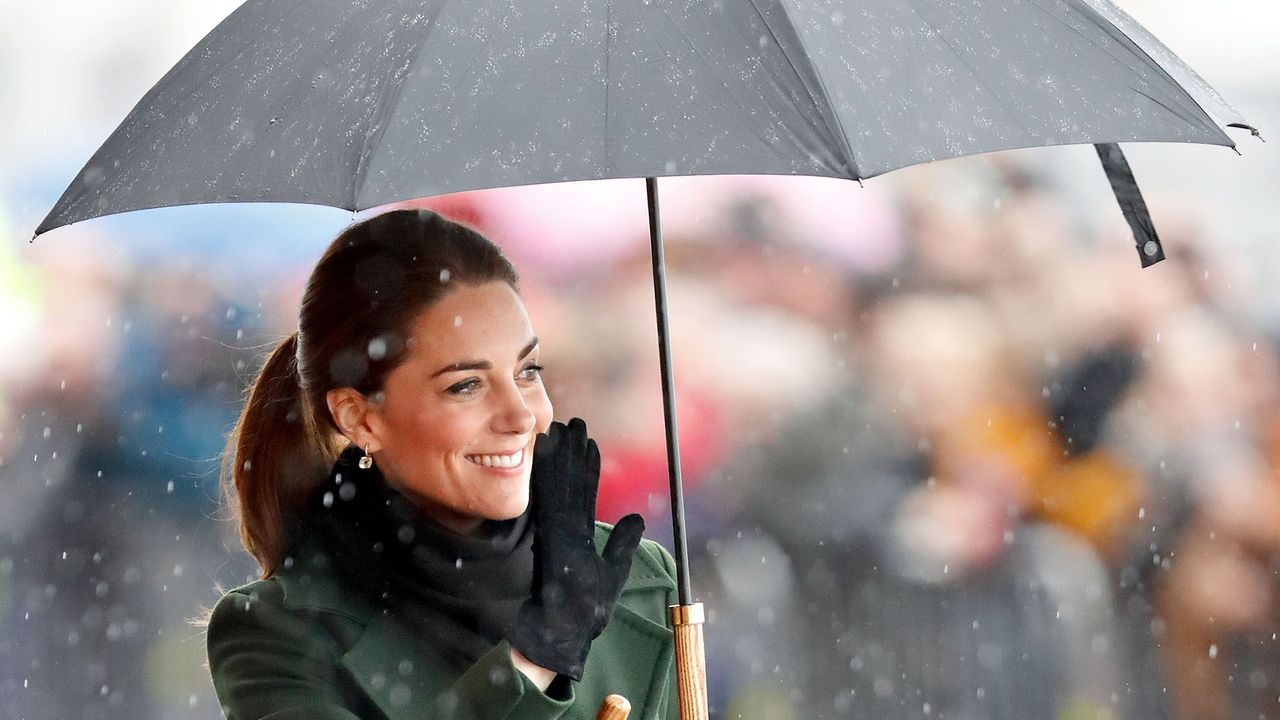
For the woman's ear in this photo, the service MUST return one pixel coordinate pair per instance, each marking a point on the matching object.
(354, 413)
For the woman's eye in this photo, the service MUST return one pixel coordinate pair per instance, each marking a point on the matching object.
(466, 387)
(531, 372)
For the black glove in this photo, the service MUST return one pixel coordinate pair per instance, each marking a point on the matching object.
(574, 589)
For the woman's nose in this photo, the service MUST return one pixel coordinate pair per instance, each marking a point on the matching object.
(512, 414)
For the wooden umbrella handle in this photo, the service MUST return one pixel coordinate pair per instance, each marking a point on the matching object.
(614, 707)
(691, 660)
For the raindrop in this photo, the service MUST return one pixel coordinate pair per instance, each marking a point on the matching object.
(444, 275)
(346, 491)
(401, 694)
(191, 700)
(457, 321)
(169, 488)
(1213, 651)
(327, 499)
(377, 349)
(47, 433)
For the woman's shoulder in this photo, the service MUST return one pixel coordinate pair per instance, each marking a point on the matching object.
(303, 597)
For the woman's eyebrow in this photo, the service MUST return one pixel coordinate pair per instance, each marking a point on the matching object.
(481, 364)
(527, 349)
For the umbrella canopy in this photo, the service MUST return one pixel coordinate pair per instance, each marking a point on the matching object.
(358, 104)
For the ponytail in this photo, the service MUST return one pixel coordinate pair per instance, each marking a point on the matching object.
(274, 457)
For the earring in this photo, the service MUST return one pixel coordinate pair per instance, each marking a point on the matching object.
(366, 462)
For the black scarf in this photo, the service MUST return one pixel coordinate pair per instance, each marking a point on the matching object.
(463, 590)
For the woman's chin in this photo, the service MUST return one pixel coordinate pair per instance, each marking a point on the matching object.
(508, 510)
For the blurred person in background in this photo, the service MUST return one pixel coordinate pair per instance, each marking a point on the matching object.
(108, 472)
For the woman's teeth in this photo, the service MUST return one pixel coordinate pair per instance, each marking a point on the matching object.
(498, 461)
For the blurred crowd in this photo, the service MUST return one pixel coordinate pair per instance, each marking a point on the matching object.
(946, 454)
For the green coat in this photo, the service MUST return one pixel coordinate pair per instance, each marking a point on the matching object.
(301, 645)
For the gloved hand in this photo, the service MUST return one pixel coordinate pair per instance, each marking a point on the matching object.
(574, 589)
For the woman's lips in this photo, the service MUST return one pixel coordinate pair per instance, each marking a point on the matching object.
(507, 461)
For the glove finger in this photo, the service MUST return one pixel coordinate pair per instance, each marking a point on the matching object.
(591, 479)
(577, 430)
(558, 486)
(543, 476)
(620, 549)
(574, 457)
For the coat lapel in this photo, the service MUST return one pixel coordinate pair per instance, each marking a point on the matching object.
(397, 670)
(633, 658)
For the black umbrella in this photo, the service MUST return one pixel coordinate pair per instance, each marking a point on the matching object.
(358, 104)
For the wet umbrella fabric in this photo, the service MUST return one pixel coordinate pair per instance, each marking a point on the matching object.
(359, 104)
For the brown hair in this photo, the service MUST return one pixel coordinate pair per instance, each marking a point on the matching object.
(374, 279)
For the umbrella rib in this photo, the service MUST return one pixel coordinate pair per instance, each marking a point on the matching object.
(830, 116)
(693, 48)
(608, 81)
(387, 103)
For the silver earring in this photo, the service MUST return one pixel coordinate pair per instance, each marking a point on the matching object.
(366, 462)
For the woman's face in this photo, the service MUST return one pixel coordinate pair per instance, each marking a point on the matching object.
(459, 416)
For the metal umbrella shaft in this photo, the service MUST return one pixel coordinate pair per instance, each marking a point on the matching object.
(687, 617)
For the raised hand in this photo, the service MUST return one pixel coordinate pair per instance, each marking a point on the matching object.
(574, 588)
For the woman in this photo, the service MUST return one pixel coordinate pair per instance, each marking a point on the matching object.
(446, 563)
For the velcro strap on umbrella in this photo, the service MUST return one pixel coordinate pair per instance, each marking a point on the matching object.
(1131, 203)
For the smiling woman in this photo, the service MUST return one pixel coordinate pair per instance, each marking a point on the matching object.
(384, 467)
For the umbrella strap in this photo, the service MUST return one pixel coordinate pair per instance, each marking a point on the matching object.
(1150, 251)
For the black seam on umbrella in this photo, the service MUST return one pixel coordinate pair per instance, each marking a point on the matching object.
(830, 116)
(1180, 112)
(1093, 16)
(386, 108)
(1007, 110)
(608, 81)
(723, 85)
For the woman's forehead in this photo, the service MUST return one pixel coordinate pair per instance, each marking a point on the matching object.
(474, 320)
